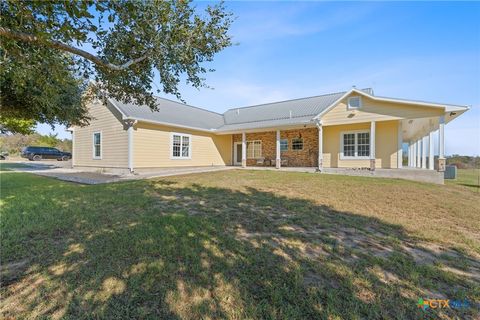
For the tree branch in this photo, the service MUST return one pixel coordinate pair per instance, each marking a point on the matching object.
(5, 32)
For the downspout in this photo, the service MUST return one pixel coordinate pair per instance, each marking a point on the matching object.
(130, 123)
(318, 123)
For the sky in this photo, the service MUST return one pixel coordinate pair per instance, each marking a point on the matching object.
(284, 50)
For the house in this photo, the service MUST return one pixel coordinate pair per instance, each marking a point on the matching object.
(352, 129)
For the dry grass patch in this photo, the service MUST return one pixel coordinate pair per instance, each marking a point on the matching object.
(235, 245)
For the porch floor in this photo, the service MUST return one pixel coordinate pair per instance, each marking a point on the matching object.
(414, 174)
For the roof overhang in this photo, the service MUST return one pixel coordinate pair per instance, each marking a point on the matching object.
(447, 107)
(162, 123)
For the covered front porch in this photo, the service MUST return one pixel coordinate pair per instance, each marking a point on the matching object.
(365, 145)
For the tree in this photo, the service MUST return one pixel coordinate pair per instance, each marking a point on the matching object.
(45, 68)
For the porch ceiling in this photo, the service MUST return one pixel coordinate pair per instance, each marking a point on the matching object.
(415, 128)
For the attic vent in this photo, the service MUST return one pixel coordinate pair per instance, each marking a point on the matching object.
(238, 111)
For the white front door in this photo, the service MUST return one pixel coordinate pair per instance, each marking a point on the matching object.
(237, 154)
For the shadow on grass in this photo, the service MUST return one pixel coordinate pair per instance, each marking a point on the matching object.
(156, 249)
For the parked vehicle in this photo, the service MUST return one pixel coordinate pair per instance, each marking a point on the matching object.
(3, 155)
(39, 153)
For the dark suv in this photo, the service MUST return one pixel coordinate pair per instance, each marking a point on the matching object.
(39, 153)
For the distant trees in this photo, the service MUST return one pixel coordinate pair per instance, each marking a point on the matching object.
(14, 143)
(464, 162)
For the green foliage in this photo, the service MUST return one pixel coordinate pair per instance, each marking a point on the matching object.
(16, 125)
(464, 162)
(44, 73)
(49, 140)
(13, 144)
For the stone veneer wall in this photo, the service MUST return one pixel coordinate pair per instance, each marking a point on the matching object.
(308, 157)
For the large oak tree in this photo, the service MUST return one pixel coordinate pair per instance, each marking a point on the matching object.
(47, 60)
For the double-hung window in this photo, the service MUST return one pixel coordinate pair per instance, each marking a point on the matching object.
(283, 145)
(254, 149)
(297, 144)
(97, 145)
(355, 145)
(180, 146)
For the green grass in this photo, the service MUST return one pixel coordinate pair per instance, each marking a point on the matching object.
(236, 244)
(469, 178)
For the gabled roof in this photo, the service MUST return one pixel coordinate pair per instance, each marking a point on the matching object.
(283, 113)
(172, 113)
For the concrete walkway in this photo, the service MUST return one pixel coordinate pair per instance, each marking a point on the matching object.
(413, 174)
(59, 171)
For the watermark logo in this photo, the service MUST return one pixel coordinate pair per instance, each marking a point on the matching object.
(426, 304)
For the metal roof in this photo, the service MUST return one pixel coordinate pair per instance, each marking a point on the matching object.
(173, 113)
(281, 110)
(283, 113)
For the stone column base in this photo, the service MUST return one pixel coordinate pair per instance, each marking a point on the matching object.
(278, 163)
(442, 162)
(372, 164)
(244, 163)
(320, 165)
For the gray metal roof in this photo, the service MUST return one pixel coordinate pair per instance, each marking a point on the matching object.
(174, 113)
(266, 124)
(281, 110)
(284, 113)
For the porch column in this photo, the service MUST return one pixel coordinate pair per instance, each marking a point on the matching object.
(414, 154)
(244, 150)
(410, 154)
(419, 153)
(441, 144)
(278, 160)
(73, 148)
(399, 145)
(372, 145)
(320, 146)
(409, 158)
(430, 151)
(424, 152)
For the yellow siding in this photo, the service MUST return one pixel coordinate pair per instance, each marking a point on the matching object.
(107, 120)
(152, 147)
(385, 145)
(377, 111)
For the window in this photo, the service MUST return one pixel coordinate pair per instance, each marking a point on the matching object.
(180, 146)
(354, 102)
(355, 145)
(97, 145)
(284, 145)
(297, 144)
(254, 149)
(363, 144)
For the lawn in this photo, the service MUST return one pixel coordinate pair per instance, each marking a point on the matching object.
(469, 178)
(237, 244)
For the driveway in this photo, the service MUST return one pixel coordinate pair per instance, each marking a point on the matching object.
(62, 170)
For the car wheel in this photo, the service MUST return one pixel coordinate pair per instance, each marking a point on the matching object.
(37, 157)
(65, 158)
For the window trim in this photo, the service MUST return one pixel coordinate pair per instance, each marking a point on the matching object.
(355, 157)
(281, 145)
(349, 106)
(94, 157)
(303, 144)
(181, 143)
(261, 149)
